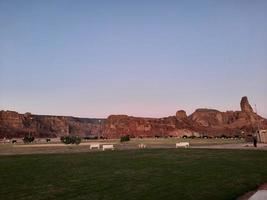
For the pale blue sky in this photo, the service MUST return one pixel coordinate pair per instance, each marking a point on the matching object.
(143, 58)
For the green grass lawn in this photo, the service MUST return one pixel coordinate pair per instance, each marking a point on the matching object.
(134, 174)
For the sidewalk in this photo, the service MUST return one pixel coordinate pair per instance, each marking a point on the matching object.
(259, 194)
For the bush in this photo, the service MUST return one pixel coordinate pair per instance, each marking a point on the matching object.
(125, 138)
(224, 136)
(192, 137)
(249, 138)
(237, 136)
(90, 137)
(28, 138)
(71, 139)
(77, 140)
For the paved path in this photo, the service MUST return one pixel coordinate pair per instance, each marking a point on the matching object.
(259, 194)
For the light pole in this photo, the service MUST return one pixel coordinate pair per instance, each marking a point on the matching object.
(98, 137)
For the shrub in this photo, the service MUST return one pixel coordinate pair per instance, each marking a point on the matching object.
(249, 138)
(93, 137)
(71, 139)
(77, 140)
(237, 136)
(28, 138)
(223, 136)
(192, 137)
(125, 138)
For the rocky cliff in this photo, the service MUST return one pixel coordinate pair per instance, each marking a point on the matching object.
(203, 122)
(13, 124)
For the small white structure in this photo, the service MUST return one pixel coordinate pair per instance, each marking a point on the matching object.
(262, 136)
(182, 144)
(95, 146)
(141, 146)
(108, 146)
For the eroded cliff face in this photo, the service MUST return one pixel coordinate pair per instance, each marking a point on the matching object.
(13, 124)
(215, 123)
(203, 122)
(119, 125)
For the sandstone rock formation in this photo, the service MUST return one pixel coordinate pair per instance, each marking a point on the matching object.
(202, 122)
(245, 106)
(13, 124)
(181, 114)
(119, 125)
(215, 123)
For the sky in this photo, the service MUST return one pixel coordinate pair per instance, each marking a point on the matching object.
(141, 58)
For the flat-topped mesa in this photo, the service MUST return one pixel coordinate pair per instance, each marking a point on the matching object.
(181, 114)
(245, 106)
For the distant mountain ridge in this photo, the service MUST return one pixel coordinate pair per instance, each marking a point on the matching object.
(203, 122)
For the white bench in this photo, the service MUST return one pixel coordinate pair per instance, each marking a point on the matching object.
(141, 146)
(97, 146)
(108, 146)
(182, 144)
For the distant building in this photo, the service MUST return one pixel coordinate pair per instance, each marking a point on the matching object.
(262, 136)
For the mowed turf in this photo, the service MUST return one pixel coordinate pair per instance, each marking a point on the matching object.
(135, 174)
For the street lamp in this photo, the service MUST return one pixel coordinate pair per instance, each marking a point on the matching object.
(98, 137)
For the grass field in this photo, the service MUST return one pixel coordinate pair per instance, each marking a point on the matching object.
(35, 148)
(198, 174)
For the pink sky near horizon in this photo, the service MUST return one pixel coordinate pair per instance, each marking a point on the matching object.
(149, 58)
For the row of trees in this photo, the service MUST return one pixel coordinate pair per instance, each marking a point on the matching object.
(29, 138)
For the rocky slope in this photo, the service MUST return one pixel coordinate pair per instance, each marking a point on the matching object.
(203, 122)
